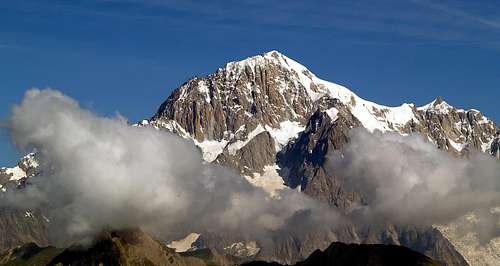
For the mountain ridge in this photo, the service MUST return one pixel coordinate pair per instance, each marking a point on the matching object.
(134, 247)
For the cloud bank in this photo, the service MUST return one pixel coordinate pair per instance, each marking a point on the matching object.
(407, 180)
(101, 173)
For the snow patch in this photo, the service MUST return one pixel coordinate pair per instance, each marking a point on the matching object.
(16, 173)
(486, 146)
(373, 116)
(286, 131)
(456, 146)
(427, 106)
(333, 114)
(203, 89)
(243, 250)
(211, 148)
(441, 108)
(30, 160)
(28, 214)
(270, 181)
(235, 146)
(185, 244)
(172, 126)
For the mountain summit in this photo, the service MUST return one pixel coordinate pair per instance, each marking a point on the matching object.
(269, 99)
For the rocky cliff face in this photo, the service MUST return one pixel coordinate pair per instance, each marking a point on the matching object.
(20, 226)
(17, 175)
(495, 146)
(455, 130)
(227, 113)
(292, 247)
(302, 160)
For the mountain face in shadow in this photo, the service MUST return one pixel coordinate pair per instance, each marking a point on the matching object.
(134, 247)
(341, 254)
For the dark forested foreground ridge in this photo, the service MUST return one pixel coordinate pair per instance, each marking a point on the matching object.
(133, 247)
(340, 254)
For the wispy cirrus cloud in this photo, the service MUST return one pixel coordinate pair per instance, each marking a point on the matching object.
(386, 21)
(420, 20)
(10, 46)
(456, 12)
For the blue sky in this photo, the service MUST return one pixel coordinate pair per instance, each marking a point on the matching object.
(127, 56)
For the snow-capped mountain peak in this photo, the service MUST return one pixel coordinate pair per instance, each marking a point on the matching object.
(258, 105)
(271, 57)
(373, 116)
(265, 91)
(438, 105)
(12, 176)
